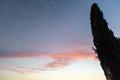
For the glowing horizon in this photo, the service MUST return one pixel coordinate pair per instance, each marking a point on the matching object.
(50, 39)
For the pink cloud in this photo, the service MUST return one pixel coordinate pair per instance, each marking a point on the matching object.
(59, 60)
(62, 60)
(21, 55)
(53, 55)
(22, 70)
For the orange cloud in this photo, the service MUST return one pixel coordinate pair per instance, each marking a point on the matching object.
(59, 60)
(53, 55)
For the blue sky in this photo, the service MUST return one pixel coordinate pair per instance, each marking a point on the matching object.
(42, 22)
(26, 24)
(51, 35)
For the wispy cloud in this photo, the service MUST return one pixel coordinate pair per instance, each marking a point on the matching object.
(53, 55)
(20, 55)
(22, 70)
(62, 60)
(59, 60)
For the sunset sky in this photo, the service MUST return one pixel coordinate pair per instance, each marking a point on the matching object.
(51, 39)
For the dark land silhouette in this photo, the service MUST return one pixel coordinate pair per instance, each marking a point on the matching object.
(107, 46)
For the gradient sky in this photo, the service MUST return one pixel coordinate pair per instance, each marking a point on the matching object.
(51, 39)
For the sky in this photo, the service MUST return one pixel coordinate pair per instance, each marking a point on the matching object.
(51, 39)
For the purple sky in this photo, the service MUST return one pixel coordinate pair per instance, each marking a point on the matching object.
(58, 29)
(43, 25)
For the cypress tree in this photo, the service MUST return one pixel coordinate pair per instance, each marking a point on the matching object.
(106, 44)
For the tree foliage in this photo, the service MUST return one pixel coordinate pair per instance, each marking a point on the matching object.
(107, 45)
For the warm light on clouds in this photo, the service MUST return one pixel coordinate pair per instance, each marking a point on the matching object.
(61, 60)
(50, 39)
(57, 60)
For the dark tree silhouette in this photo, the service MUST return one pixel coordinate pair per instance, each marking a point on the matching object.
(107, 45)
